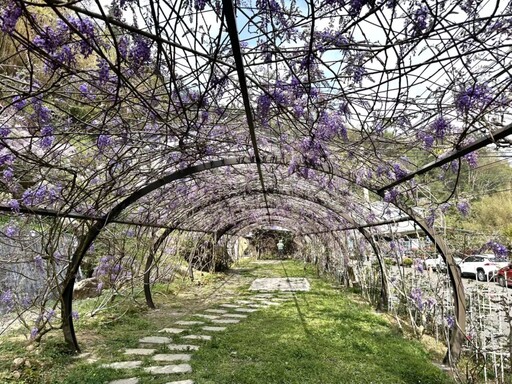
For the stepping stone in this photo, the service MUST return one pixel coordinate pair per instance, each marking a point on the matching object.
(209, 317)
(245, 302)
(197, 337)
(216, 311)
(267, 303)
(235, 315)
(248, 310)
(172, 357)
(214, 329)
(229, 305)
(123, 365)
(258, 306)
(155, 340)
(176, 313)
(181, 382)
(139, 351)
(172, 330)
(280, 284)
(169, 369)
(189, 322)
(263, 295)
(183, 347)
(131, 380)
(226, 321)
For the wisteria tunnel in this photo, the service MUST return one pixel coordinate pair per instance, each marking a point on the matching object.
(198, 124)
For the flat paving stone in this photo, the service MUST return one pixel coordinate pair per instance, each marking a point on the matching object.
(183, 347)
(216, 310)
(181, 382)
(214, 329)
(235, 315)
(174, 331)
(245, 302)
(169, 369)
(226, 321)
(155, 340)
(131, 380)
(293, 284)
(184, 322)
(263, 295)
(209, 317)
(172, 357)
(229, 305)
(248, 310)
(123, 365)
(268, 303)
(139, 351)
(197, 337)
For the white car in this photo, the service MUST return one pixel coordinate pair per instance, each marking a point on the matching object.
(483, 267)
(438, 263)
(433, 263)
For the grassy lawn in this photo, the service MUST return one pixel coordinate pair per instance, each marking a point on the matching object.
(323, 336)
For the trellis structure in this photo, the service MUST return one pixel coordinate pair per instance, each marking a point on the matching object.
(217, 117)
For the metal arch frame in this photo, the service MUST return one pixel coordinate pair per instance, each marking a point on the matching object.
(95, 229)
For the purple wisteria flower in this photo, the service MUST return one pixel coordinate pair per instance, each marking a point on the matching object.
(75, 315)
(431, 302)
(140, 53)
(355, 7)
(7, 300)
(399, 172)
(391, 195)
(49, 314)
(419, 20)
(33, 333)
(103, 142)
(418, 265)
(417, 296)
(9, 17)
(8, 174)
(11, 230)
(5, 131)
(499, 249)
(440, 127)
(103, 71)
(328, 38)
(14, 205)
(472, 159)
(264, 102)
(428, 141)
(449, 321)
(463, 208)
(475, 97)
(48, 138)
(19, 103)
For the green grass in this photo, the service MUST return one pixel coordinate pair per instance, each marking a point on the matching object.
(323, 336)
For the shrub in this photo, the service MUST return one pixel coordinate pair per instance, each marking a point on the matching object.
(407, 262)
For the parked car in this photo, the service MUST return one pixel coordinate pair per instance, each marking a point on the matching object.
(438, 264)
(482, 267)
(504, 275)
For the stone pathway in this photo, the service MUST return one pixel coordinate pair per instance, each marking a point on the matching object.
(174, 365)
